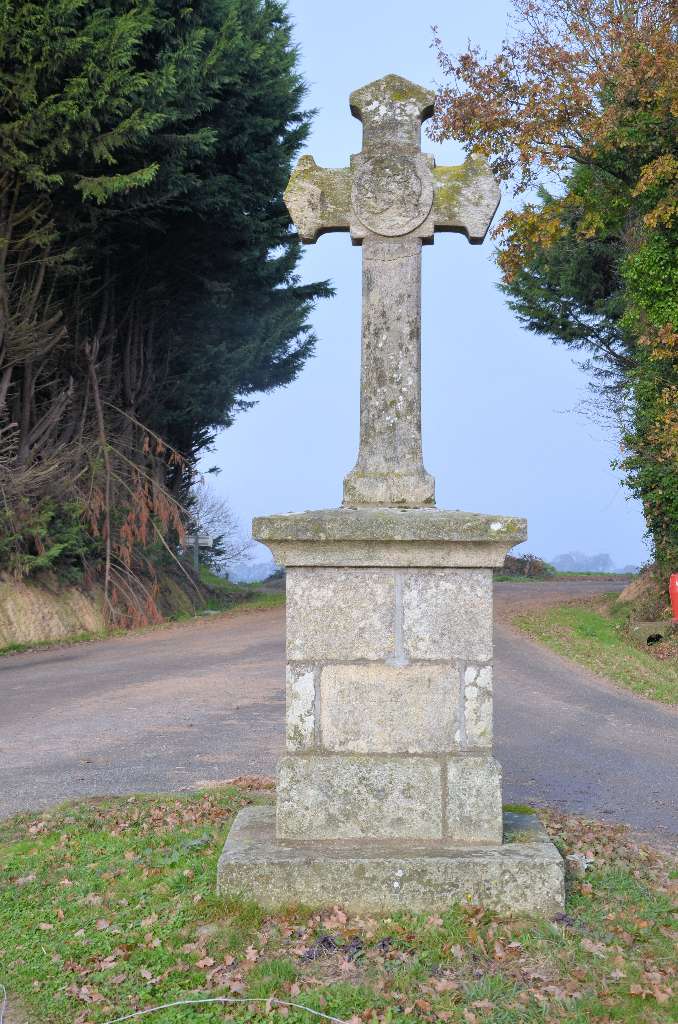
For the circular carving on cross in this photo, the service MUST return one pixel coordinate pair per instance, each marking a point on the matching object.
(392, 192)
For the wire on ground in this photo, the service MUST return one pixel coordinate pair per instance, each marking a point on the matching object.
(272, 1001)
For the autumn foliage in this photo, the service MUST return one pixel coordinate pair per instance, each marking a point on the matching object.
(579, 107)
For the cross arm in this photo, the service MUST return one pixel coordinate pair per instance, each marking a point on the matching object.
(465, 198)
(319, 198)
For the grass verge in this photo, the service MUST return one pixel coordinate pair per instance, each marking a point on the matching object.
(108, 908)
(593, 633)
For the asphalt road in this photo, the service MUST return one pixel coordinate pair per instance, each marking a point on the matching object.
(204, 701)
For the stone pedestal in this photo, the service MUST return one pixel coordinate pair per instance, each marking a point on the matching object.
(389, 718)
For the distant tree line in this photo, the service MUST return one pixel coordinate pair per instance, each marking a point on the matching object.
(147, 268)
(580, 105)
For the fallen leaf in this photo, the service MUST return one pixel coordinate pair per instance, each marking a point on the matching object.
(444, 984)
(597, 948)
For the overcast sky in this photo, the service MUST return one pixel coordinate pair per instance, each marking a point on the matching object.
(501, 426)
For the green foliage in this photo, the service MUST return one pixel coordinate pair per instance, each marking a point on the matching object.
(651, 472)
(144, 149)
(47, 535)
(571, 289)
(584, 91)
(596, 290)
(650, 439)
(650, 276)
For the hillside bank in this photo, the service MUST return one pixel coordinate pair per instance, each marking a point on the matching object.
(46, 610)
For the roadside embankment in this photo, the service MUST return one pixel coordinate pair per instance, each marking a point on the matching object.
(46, 611)
(33, 612)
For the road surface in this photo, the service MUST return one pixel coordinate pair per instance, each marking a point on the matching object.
(204, 701)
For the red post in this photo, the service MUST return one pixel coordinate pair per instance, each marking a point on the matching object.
(673, 592)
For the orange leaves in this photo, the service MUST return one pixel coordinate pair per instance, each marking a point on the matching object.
(573, 76)
(660, 994)
(658, 177)
(520, 233)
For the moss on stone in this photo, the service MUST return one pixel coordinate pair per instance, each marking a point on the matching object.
(394, 88)
(450, 181)
(333, 184)
(388, 524)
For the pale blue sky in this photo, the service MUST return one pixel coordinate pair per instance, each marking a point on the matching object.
(501, 429)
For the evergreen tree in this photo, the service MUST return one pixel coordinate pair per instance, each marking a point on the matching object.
(144, 148)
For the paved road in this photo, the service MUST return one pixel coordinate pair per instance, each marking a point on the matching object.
(204, 701)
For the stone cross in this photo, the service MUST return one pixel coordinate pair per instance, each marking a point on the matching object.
(392, 198)
(388, 796)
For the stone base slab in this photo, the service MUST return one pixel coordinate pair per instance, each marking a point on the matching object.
(524, 875)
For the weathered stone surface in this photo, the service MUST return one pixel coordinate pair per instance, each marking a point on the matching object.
(392, 110)
(393, 525)
(400, 554)
(447, 614)
(521, 877)
(300, 707)
(478, 706)
(381, 709)
(340, 614)
(318, 198)
(466, 198)
(390, 470)
(389, 537)
(359, 797)
(474, 800)
(391, 198)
